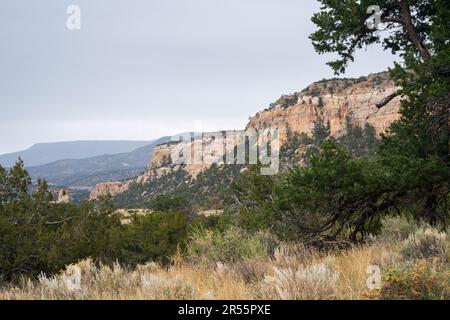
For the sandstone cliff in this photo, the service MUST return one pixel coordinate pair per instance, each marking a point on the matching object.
(332, 100)
(160, 164)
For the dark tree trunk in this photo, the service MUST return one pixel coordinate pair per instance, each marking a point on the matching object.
(410, 30)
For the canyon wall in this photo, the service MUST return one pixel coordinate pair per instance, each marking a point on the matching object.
(160, 164)
(332, 100)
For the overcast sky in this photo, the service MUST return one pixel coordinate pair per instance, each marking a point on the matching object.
(140, 69)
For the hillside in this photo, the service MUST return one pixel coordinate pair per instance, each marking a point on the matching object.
(44, 153)
(90, 171)
(331, 101)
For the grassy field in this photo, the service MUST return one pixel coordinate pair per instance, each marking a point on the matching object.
(413, 260)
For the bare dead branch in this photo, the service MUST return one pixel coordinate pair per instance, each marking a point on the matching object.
(59, 222)
(386, 100)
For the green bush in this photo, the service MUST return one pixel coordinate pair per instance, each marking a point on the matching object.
(168, 203)
(45, 237)
(40, 236)
(153, 237)
(253, 200)
(397, 229)
(425, 243)
(232, 245)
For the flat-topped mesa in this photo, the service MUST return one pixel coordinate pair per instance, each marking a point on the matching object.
(333, 100)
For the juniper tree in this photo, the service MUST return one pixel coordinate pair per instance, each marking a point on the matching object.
(340, 196)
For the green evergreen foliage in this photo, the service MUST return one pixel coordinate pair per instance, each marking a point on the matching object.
(168, 203)
(38, 235)
(207, 191)
(343, 194)
(288, 151)
(287, 101)
(153, 237)
(320, 131)
(359, 141)
(252, 199)
(414, 27)
(304, 200)
(334, 195)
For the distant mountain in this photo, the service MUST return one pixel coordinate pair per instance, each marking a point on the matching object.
(44, 153)
(87, 172)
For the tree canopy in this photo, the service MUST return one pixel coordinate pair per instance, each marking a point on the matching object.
(411, 171)
(350, 183)
(409, 27)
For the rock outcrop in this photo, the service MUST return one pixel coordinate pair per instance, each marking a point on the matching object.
(332, 100)
(109, 188)
(63, 196)
(160, 164)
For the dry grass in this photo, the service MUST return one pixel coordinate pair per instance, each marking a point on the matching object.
(291, 272)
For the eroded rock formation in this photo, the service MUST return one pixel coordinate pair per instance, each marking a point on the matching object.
(331, 100)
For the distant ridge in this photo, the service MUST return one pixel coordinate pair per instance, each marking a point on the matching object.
(92, 170)
(44, 153)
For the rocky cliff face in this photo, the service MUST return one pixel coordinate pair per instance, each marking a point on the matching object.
(331, 100)
(111, 188)
(160, 164)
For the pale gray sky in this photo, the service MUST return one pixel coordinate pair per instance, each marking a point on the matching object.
(140, 69)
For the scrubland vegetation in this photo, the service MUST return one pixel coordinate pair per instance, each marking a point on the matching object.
(413, 260)
(310, 232)
(248, 252)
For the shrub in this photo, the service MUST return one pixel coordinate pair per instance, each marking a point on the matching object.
(168, 203)
(154, 237)
(291, 254)
(251, 271)
(426, 242)
(233, 244)
(104, 282)
(426, 280)
(310, 282)
(396, 229)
